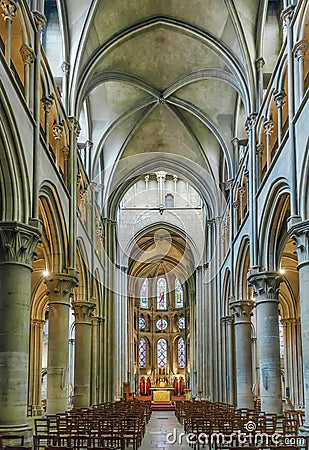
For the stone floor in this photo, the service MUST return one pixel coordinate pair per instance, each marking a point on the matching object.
(163, 432)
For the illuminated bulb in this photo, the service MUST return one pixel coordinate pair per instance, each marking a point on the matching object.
(282, 271)
(45, 273)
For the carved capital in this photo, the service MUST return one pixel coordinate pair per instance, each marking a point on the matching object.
(57, 131)
(268, 126)
(27, 54)
(265, 284)
(38, 323)
(260, 150)
(40, 20)
(259, 64)
(18, 242)
(226, 320)
(47, 102)
(300, 235)
(74, 125)
(242, 311)
(65, 67)
(66, 153)
(279, 97)
(9, 9)
(287, 15)
(300, 49)
(60, 287)
(250, 122)
(83, 311)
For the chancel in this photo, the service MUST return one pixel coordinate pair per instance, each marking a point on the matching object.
(154, 229)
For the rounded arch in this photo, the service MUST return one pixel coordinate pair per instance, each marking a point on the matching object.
(54, 231)
(275, 214)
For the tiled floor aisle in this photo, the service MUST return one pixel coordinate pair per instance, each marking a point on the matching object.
(160, 424)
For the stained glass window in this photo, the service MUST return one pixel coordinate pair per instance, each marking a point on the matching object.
(161, 324)
(144, 295)
(142, 323)
(178, 294)
(181, 354)
(161, 293)
(162, 353)
(142, 353)
(281, 338)
(182, 323)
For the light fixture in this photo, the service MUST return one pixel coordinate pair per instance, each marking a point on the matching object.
(45, 273)
(282, 271)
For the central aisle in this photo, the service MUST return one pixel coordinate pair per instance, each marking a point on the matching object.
(160, 425)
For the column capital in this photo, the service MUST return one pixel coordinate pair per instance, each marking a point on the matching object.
(82, 311)
(259, 64)
(287, 15)
(74, 125)
(265, 285)
(65, 67)
(47, 102)
(242, 311)
(9, 9)
(39, 323)
(300, 49)
(57, 130)
(260, 150)
(268, 125)
(300, 235)
(60, 287)
(18, 242)
(250, 122)
(279, 97)
(27, 54)
(40, 20)
(227, 320)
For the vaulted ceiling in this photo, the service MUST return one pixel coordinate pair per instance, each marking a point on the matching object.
(174, 78)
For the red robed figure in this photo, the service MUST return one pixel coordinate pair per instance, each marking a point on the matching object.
(142, 385)
(148, 386)
(181, 386)
(175, 386)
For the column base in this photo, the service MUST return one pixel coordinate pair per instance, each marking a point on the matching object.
(24, 430)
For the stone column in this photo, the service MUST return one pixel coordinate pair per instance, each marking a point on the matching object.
(65, 67)
(47, 103)
(269, 128)
(266, 288)
(300, 234)
(259, 63)
(83, 316)
(57, 133)
(35, 384)
(17, 251)
(279, 97)
(9, 12)
(300, 50)
(59, 290)
(242, 312)
(28, 57)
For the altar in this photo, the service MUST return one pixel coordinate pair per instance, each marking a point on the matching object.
(160, 394)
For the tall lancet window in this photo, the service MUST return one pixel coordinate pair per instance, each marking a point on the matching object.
(161, 293)
(181, 354)
(178, 294)
(162, 353)
(144, 295)
(142, 353)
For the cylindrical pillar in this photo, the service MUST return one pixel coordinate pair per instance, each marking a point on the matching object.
(17, 245)
(35, 384)
(300, 234)
(242, 312)
(83, 315)
(266, 288)
(59, 290)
